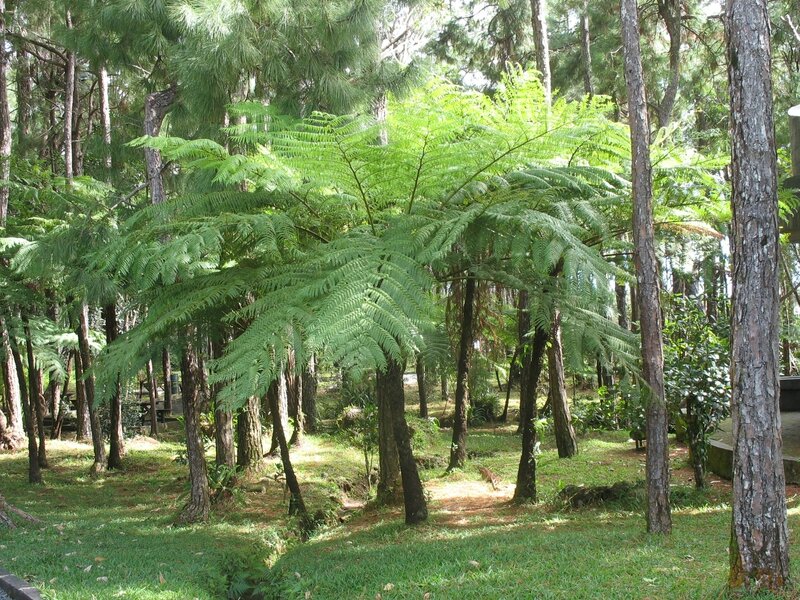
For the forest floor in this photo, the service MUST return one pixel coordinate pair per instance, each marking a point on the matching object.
(113, 536)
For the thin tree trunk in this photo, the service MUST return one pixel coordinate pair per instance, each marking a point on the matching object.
(510, 384)
(223, 418)
(105, 115)
(11, 386)
(295, 397)
(309, 383)
(25, 75)
(98, 444)
(5, 120)
(34, 471)
(117, 446)
(58, 424)
(35, 396)
(152, 393)
(458, 448)
(389, 483)
(542, 44)
(391, 384)
(586, 50)
(84, 427)
(759, 548)
(423, 392)
(156, 106)
(670, 12)
(562, 420)
(199, 503)
(249, 448)
(283, 412)
(296, 504)
(622, 303)
(69, 102)
(166, 366)
(659, 519)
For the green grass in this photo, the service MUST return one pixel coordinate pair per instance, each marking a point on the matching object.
(476, 544)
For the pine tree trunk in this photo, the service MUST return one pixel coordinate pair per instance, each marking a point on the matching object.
(562, 420)
(659, 519)
(69, 102)
(105, 115)
(98, 444)
(389, 483)
(152, 393)
(391, 384)
(156, 106)
(117, 446)
(166, 366)
(5, 120)
(458, 448)
(199, 503)
(309, 383)
(423, 392)
(759, 548)
(586, 50)
(34, 471)
(225, 453)
(542, 44)
(532, 361)
(249, 448)
(296, 504)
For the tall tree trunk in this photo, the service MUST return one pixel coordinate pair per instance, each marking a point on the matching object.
(225, 453)
(105, 115)
(532, 361)
(69, 102)
(249, 448)
(296, 504)
(98, 444)
(622, 303)
(659, 519)
(389, 483)
(34, 471)
(25, 74)
(562, 420)
(199, 503)
(423, 392)
(542, 44)
(283, 412)
(309, 384)
(511, 367)
(11, 386)
(117, 446)
(166, 366)
(391, 384)
(586, 50)
(759, 549)
(5, 120)
(294, 389)
(152, 394)
(458, 448)
(35, 397)
(83, 426)
(156, 106)
(670, 12)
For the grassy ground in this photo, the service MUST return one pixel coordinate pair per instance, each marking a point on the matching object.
(113, 537)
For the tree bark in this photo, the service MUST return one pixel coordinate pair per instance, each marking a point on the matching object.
(34, 471)
(458, 448)
(152, 394)
(511, 366)
(389, 484)
(11, 386)
(98, 444)
(309, 383)
(223, 418)
(562, 420)
(296, 504)
(84, 427)
(5, 120)
(249, 448)
(542, 44)
(391, 384)
(25, 74)
(166, 366)
(294, 390)
(586, 50)
(423, 392)
(35, 397)
(117, 446)
(156, 106)
(69, 101)
(105, 115)
(659, 519)
(199, 503)
(670, 12)
(759, 548)
(622, 303)
(283, 412)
